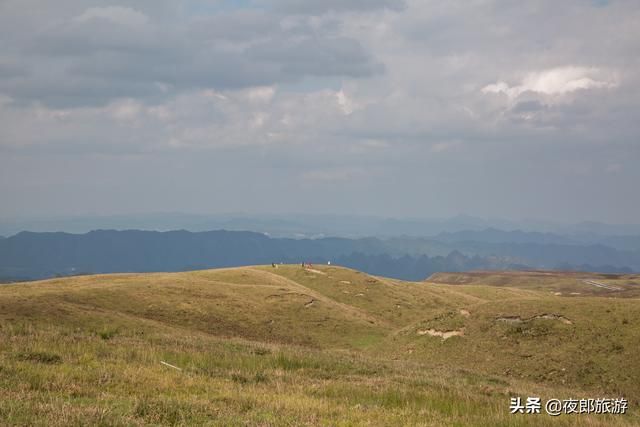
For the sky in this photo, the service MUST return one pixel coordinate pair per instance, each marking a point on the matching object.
(399, 108)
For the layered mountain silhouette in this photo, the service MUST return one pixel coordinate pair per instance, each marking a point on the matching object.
(29, 255)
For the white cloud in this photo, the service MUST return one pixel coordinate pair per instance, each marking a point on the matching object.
(117, 14)
(259, 119)
(555, 81)
(443, 146)
(346, 104)
(125, 110)
(261, 95)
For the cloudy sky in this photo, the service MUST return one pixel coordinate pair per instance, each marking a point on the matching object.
(413, 108)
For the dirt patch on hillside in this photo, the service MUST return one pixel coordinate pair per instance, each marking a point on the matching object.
(289, 295)
(546, 316)
(445, 335)
(311, 270)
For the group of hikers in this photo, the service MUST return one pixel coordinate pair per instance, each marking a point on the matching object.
(303, 264)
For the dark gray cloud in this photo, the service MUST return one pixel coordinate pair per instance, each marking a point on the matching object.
(11, 69)
(323, 6)
(239, 25)
(106, 53)
(335, 56)
(528, 107)
(376, 107)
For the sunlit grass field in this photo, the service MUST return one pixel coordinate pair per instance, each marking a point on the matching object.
(318, 346)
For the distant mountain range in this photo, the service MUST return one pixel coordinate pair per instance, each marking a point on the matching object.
(314, 226)
(492, 235)
(30, 255)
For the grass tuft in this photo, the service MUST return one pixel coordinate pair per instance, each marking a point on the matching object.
(40, 357)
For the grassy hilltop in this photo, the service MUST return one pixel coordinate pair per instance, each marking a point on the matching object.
(320, 346)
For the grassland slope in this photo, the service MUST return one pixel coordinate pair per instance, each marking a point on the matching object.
(307, 346)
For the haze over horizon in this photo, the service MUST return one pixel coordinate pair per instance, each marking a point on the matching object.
(385, 108)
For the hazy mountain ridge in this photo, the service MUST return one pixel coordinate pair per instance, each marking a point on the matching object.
(494, 235)
(308, 225)
(29, 255)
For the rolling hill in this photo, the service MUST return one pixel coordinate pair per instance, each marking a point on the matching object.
(315, 346)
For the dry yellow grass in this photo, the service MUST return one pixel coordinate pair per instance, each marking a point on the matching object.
(289, 346)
